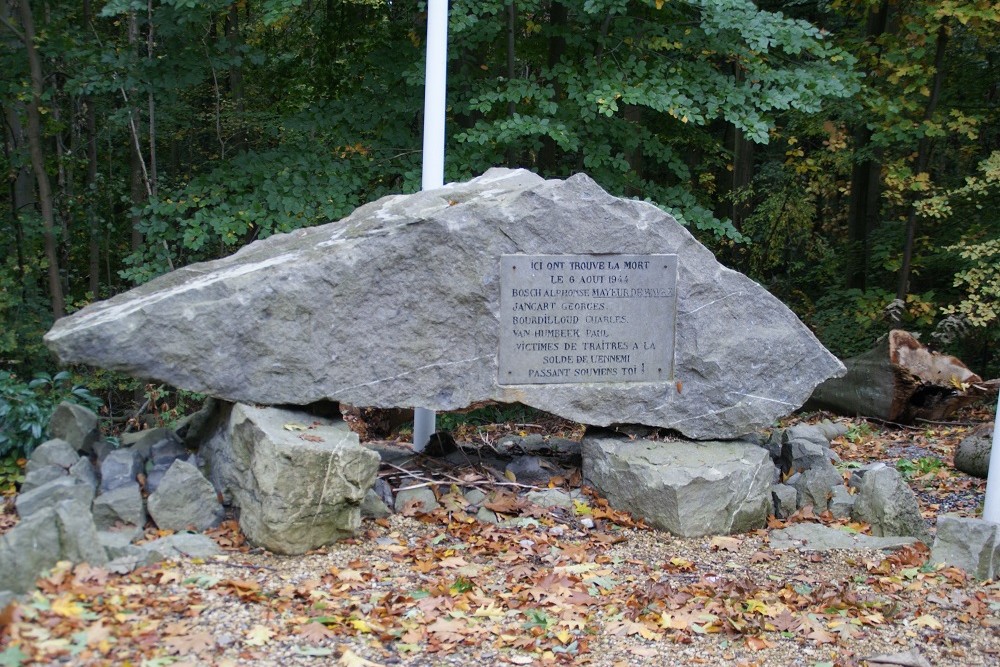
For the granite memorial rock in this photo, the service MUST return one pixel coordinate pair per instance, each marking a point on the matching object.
(508, 287)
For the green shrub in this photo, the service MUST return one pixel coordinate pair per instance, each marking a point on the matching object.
(25, 408)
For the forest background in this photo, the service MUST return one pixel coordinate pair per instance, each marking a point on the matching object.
(843, 153)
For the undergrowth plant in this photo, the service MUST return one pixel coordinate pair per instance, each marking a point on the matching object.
(26, 407)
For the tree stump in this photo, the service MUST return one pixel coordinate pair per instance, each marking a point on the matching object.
(901, 381)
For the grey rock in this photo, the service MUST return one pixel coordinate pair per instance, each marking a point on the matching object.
(841, 502)
(122, 505)
(384, 491)
(817, 537)
(275, 323)
(76, 425)
(196, 428)
(28, 549)
(101, 449)
(40, 475)
(785, 499)
(831, 430)
(373, 507)
(971, 544)
(885, 501)
(83, 470)
(475, 496)
(422, 499)
(77, 534)
(485, 515)
(973, 453)
(51, 493)
(6, 597)
(687, 488)
(154, 477)
(161, 446)
(294, 493)
(799, 455)
(120, 468)
(815, 486)
(62, 531)
(858, 474)
(528, 470)
(116, 542)
(185, 499)
(55, 452)
(391, 452)
(550, 498)
(182, 545)
(807, 433)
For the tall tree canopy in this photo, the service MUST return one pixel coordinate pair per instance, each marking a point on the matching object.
(820, 147)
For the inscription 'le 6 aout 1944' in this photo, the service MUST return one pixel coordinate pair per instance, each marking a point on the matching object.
(587, 318)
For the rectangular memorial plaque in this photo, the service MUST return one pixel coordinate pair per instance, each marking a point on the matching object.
(587, 318)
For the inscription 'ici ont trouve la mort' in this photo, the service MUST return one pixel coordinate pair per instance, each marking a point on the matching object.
(587, 318)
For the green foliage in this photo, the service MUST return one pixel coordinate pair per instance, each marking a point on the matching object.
(25, 408)
(11, 472)
(511, 413)
(925, 465)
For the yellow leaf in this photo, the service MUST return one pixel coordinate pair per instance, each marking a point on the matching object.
(659, 4)
(258, 635)
(292, 426)
(361, 625)
(67, 607)
(564, 637)
(928, 621)
(490, 611)
(351, 659)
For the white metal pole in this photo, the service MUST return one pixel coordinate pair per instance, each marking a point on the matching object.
(432, 175)
(991, 503)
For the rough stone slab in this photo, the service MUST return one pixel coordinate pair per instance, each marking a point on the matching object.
(55, 452)
(971, 544)
(276, 323)
(76, 425)
(885, 501)
(27, 549)
(298, 488)
(785, 500)
(815, 485)
(121, 505)
(77, 534)
(41, 475)
(53, 492)
(817, 537)
(182, 545)
(422, 500)
(185, 499)
(373, 507)
(120, 468)
(687, 488)
(973, 453)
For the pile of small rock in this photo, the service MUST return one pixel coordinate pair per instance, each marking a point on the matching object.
(298, 481)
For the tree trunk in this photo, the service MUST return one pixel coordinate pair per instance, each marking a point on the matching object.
(865, 200)
(90, 182)
(137, 168)
(511, 105)
(236, 74)
(901, 381)
(38, 160)
(923, 158)
(547, 160)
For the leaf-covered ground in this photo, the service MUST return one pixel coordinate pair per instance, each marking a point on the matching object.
(583, 586)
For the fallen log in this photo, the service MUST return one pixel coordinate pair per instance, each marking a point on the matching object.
(901, 381)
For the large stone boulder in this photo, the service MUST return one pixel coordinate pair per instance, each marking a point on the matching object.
(968, 543)
(298, 479)
(887, 502)
(278, 322)
(972, 456)
(687, 488)
(185, 499)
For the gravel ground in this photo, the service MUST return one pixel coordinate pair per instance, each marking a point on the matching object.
(587, 587)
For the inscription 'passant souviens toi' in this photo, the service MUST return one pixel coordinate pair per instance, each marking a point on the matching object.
(587, 318)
